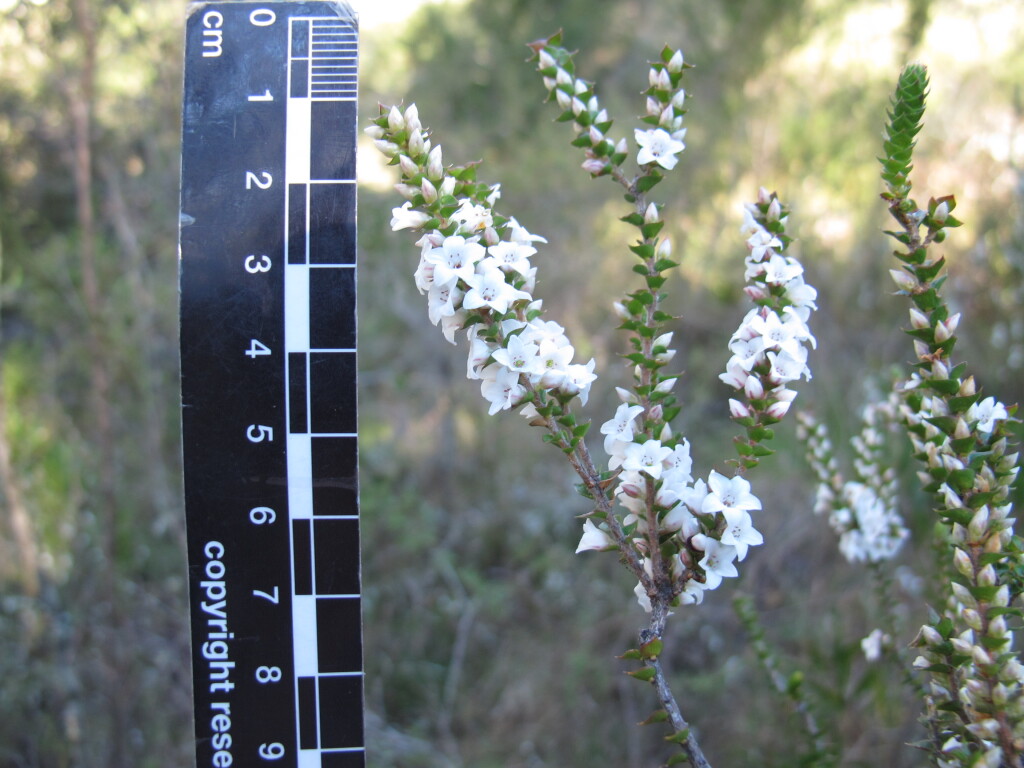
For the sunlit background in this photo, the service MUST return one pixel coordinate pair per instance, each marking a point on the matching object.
(489, 644)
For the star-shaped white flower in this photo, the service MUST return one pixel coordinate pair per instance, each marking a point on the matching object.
(728, 493)
(658, 146)
(518, 355)
(593, 538)
(620, 426)
(987, 412)
(405, 218)
(489, 289)
(717, 563)
(740, 532)
(647, 457)
(454, 259)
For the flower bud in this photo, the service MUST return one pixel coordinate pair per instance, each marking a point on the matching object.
(981, 656)
(675, 64)
(564, 100)
(386, 147)
(664, 81)
(408, 167)
(651, 214)
(941, 213)
(395, 120)
(664, 249)
(987, 576)
(435, 169)
(594, 165)
(753, 387)
(678, 99)
(963, 562)
(997, 627)
(631, 490)
(978, 524)
(666, 386)
(774, 210)
(653, 106)
(930, 635)
(546, 60)
(374, 131)
(620, 311)
(656, 413)
(412, 118)
(699, 542)
(963, 595)
(918, 319)
(578, 107)
(416, 144)
(407, 191)
(550, 84)
(755, 292)
(667, 117)
(447, 186)
(971, 618)
(626, 395)
(580, 87)
(491, 236)
(563, 78)
(904, 281)
(778, 410)
(429, 191)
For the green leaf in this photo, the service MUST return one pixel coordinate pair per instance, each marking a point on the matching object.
(631, 655)
(644, 675)
(646, 183)
(658, 716)
(650, 231)
(679, 737)
(643, 250)
(652, 648)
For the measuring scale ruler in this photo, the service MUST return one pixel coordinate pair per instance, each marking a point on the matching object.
(268, 358)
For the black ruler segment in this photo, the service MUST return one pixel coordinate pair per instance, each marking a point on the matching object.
(268, 357)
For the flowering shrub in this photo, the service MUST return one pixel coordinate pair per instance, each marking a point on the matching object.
(680, 534)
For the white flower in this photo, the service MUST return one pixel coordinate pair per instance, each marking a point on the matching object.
(717, 563)
(512, 256)
(593, 538)
(647, 457)
(454, 259)
(620, 427)
(472, 218)
(490, 289)
(442, 301)
(872, 645)
(740, 532)
(406, 218)
(987, 413)
(553, 361)
(501, 388)
(518, 355)
(728, 493)
(578, 379)
(657, 146)
(679, 464)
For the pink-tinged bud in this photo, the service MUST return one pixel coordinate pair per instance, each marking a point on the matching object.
(739, 410)
(447, 186)
(386, 147)
(963, 563)
(918, 319)
(953, 323)
(564, 99)
(665, 249)
(778, 410)
(653, 106)
(978, 524)
(491, 236)
(651, 214)
(652, 80)
(921, 349)
(930, 635)
(594, 165)
(763, 196)
(631, 490)
(987, 576)
(656, 412)
(409, 168)
(374, 131)
(416, 145)
(395, 120)
(622, 148)
(756, 292)
(942, 333)
(596, 137)
(981, 656)
(626, 395)
(941, 213)
(667, 117)
(940, 371)
(675, 64)
(407, 191)
(435, 169)
(546, 60)
(774, 210)
(601, 116)
(429, 191)
(753, 387)
(666, 386)
(904, 281)
(412, 118)
(578, 107)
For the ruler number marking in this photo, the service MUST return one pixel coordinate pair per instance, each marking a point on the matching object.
(266, 675)
(262, 515)
(273, 598)
(256, 349)
(263, 181)
(257, 433)
(252, 266)
(272, 751)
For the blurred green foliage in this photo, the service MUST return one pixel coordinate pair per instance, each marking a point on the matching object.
(487, 642)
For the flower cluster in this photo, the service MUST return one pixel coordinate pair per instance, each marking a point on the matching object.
(658, 145)
(863, 512)
(769, 349)
(476, 273)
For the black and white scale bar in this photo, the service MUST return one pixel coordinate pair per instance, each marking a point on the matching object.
(268, 354)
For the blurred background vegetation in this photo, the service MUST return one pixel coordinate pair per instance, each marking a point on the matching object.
(488, 643)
